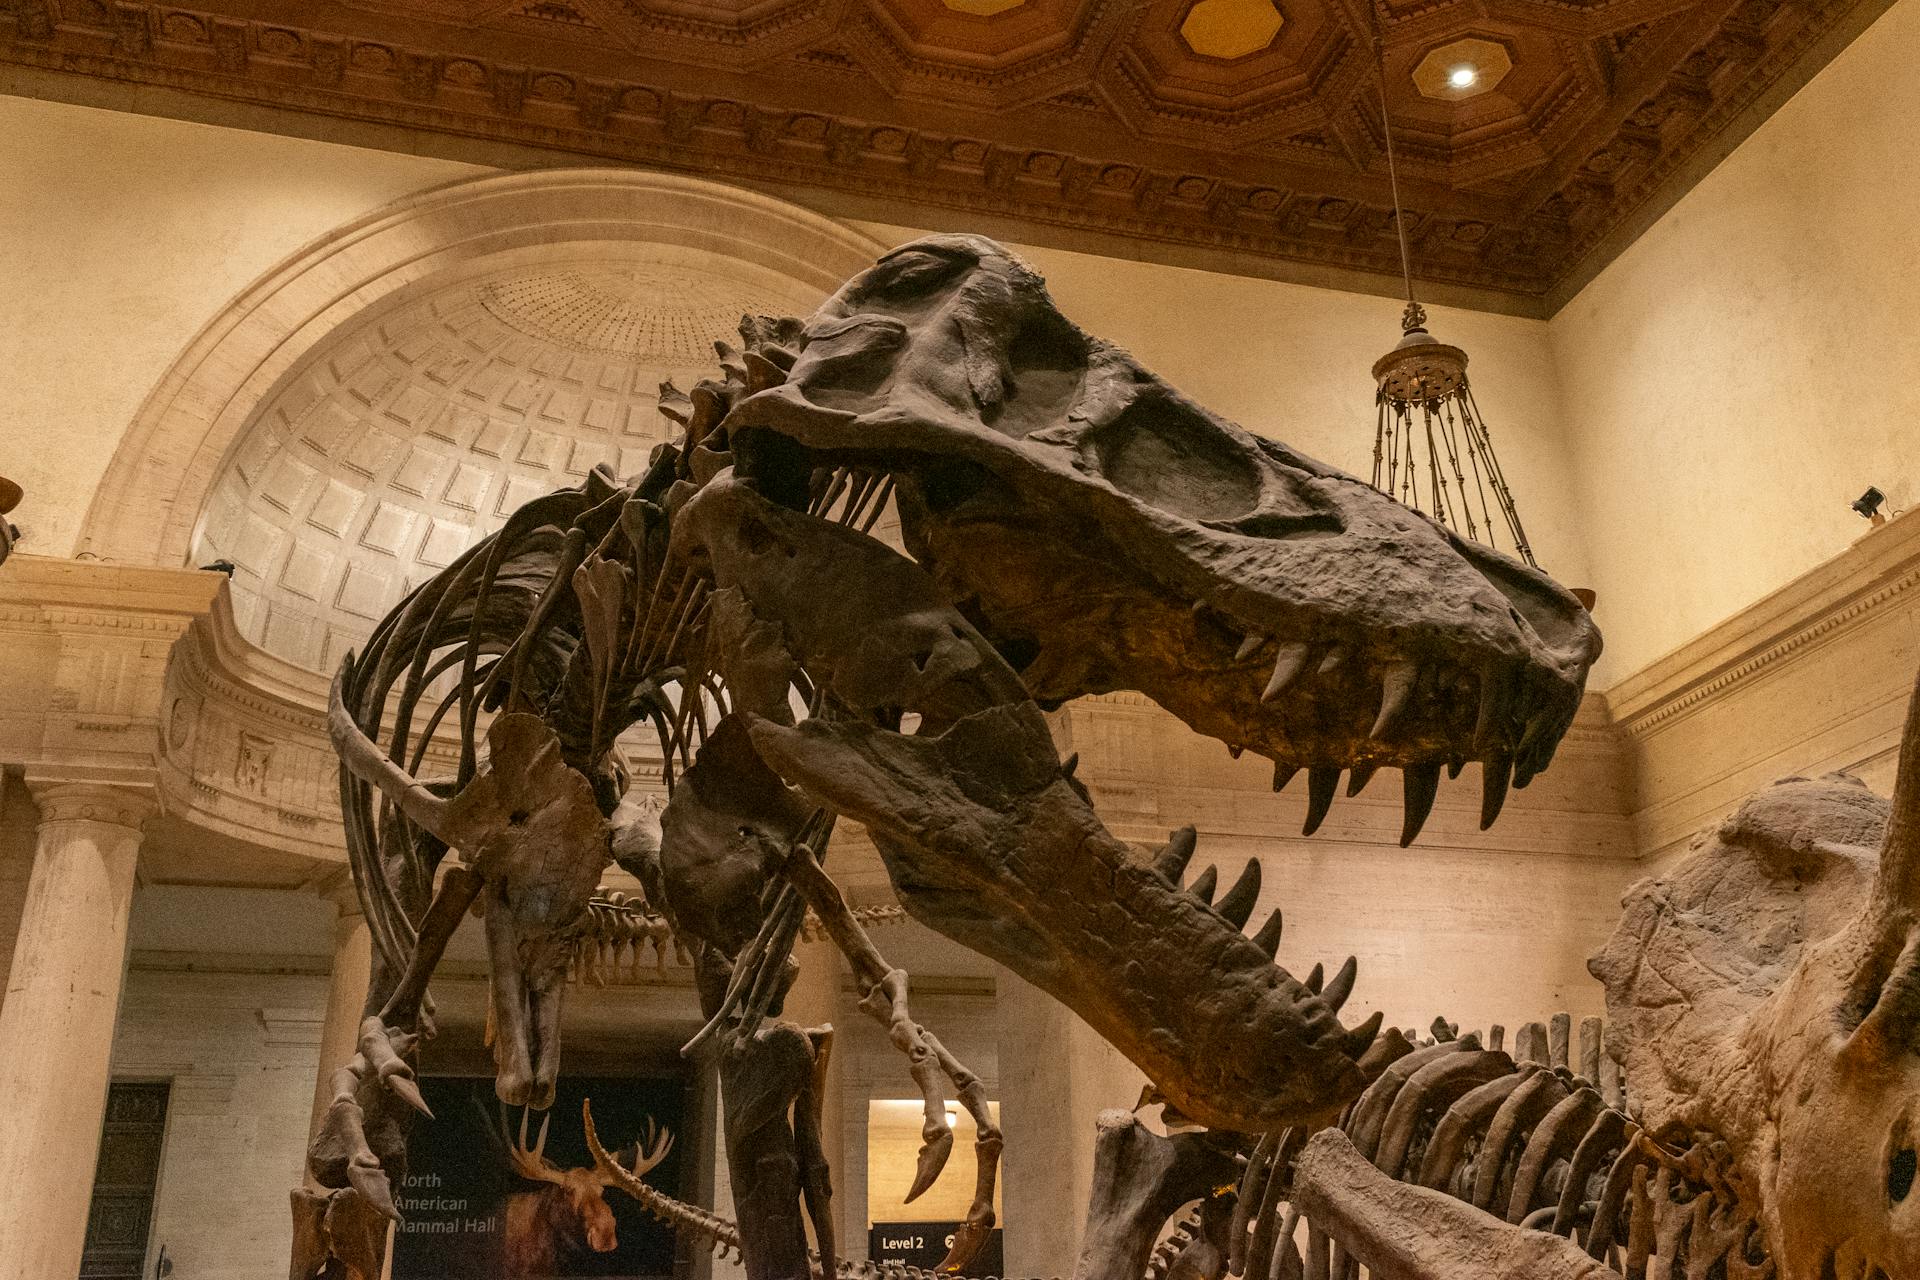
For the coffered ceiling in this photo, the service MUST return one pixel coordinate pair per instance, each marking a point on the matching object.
(1531, 134)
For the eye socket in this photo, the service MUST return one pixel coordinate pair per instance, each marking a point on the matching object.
(1900, 1171)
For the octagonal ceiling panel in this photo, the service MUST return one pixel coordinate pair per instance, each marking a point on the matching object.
(406, 438)
(1251, 68)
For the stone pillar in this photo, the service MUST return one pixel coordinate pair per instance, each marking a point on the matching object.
(1056, 1076)
(816, 999)
(63, 995)
(346, 995)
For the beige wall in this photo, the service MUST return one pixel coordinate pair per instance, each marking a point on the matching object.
(1746, 369)
(120, 237)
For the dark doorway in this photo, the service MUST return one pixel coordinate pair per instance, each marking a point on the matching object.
(124, 1181)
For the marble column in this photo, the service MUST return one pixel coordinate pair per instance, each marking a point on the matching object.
(1056, 1076)
(63, 996)
(346, 995)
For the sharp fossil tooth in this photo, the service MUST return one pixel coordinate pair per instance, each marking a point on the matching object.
(1454, 766)
(1337, 991)
(1068, 765)
(1315, 978)
(1237, 904)
(1283, 774)
(1292, 659)
(1421, 784)
(1268, 939)
(1249, 647)
(1202, 888)
(1493, 788)
(1396, 687)
(1234, 750)
(1357, 780)
(1492, 700)
(1173, 859)
(1321, 780)
(1335, 656)
(1360, 1039)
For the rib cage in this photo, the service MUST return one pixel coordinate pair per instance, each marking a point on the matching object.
(1526, 1137)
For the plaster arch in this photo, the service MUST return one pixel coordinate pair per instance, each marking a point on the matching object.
(158, 481)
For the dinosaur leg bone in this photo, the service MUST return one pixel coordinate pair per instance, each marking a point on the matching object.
(928, 1059)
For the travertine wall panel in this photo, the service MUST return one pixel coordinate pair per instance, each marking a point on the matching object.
(1743, 371)
(123, 235)
(240, 1050)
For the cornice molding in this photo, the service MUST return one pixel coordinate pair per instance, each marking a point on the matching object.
(1000, 142)
(1870, 576)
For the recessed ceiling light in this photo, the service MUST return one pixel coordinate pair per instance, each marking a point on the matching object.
(1462, 77)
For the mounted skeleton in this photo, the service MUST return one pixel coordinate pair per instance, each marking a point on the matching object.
(1071, 525)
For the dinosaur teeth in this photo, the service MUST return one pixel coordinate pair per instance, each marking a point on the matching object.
(1492, 703)
(1336, 992)
(1268, 939)
(1421, 783)
(1335, 656)
(1283, 774)
(1173, 859)
(1286, 667)
(1454, 765)
(1357, 780)
(1396, 689)
(1203, 887)
(1493, 788)
(1249, 647)
(1321, 781)
(1361, 1038)
(1238, 902)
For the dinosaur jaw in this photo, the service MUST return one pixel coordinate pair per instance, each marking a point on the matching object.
(988, 840)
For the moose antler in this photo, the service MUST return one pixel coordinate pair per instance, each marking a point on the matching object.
(531, 1163)
(653, 1146)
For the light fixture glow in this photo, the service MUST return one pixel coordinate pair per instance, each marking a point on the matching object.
(1462, 77)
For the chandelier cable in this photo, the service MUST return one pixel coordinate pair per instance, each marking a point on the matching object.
(1393, 173)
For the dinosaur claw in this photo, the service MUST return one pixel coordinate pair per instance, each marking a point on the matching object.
(409, 1093)
(933, 1158)
(370, 1180)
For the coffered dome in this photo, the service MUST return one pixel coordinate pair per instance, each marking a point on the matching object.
(410, 434)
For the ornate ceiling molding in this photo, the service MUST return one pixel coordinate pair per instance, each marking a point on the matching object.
(1093, 118)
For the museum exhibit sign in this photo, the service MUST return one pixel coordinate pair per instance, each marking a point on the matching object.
(478, 1202)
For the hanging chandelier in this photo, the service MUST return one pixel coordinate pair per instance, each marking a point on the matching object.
(1431, 447)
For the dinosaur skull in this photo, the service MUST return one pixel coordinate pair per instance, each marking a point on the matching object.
(1105, 532)
(1767, 991)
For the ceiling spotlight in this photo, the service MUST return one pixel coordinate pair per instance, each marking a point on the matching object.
(1868, 504)
(1462, 77)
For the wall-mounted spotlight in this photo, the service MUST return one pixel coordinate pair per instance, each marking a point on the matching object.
(1868, 505)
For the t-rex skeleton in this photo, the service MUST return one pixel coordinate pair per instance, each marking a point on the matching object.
(1071, 525)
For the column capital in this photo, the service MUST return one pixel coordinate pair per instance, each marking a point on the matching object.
(337, 888)
(65, 800)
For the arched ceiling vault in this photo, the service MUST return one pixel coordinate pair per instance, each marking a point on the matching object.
(410, 433)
